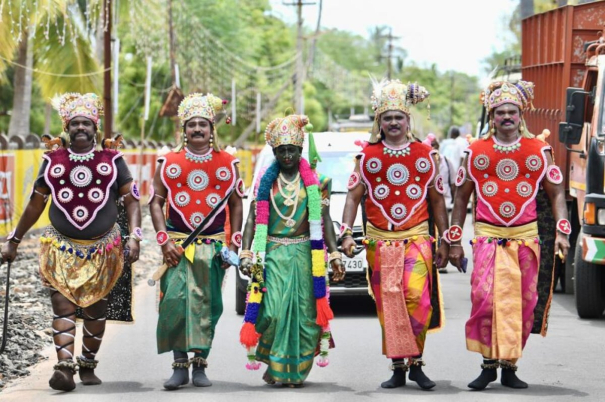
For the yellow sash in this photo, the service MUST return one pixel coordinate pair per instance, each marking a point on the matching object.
(375, 233)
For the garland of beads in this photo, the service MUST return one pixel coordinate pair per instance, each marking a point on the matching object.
(396, 152)
(507, 148)
(74, 157)
(248, 335)
(190, 156)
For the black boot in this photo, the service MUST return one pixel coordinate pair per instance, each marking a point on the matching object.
(417, 375)
(488, 374)
(199, 372)
(509, 378)
(180, 376)
(398, 379)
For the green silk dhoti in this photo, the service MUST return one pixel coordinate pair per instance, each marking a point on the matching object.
(191, 302)
(286, 317)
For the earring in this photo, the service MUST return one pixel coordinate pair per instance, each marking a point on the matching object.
(211, 139)
(521, 128)
(185, 140)
(378, 136)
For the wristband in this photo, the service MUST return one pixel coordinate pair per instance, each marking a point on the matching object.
(564, 226)
(454, 233)
(446, 236)
(334, 255)
(11, 237)
(345, 230)
(236, 239)
(246, 254)
(162, 237)
(137, 234)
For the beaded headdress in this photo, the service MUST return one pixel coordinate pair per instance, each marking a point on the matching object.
(199, 105)
(289, 130)
(393, 95)
(73, 104)
(498, 93)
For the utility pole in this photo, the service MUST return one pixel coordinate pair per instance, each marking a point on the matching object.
(300, 67)
(108, 118)
(390, 47)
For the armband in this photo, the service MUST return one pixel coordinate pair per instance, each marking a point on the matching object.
(554, 175)
(564, 226)
(240, 188)
(162, 237)
(460, 176)
(236, 239)
(134, 190)
(454, 233)
(354, 181)
(439, 186)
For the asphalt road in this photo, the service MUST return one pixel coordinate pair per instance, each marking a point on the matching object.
(569, 364)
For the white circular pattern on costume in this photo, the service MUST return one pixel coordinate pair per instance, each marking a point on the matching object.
(398, 174)
(95, 194)
(414, 191)
(197, 180)
(80, 213)
(81, 176)
(423, 165)
(196, 219)
(489, 188)
(381, 191)
(398, 211)
(374, 165)
(65, 195)
(507, 209)
(240, 187)
(182, 198)
(223, 174)
(533, 163)
(213, 199)
(524, 189)
(507, 169)
(104, 168)
(481, 162)
(57, 170)
(173, 171)
(439, 186)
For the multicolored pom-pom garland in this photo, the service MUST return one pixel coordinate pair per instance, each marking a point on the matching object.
(248, 335)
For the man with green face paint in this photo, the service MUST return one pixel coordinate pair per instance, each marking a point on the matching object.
(287, 229)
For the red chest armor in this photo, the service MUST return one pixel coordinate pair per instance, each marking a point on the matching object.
(80, 183)
(506, 180)
(196, 187)
(397, 181)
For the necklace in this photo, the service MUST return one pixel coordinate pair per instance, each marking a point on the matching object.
(404, 150)
(293, 187)
(506, 148)
(198, 158)
(74, 157)
(292, 202)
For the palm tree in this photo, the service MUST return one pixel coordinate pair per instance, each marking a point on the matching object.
(34, 39)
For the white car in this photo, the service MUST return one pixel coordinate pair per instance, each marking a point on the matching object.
(337, 151)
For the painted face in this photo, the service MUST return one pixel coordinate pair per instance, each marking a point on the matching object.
(507, 118)
(288, 156)
(198, 131)
(81, 131)
(394, 123)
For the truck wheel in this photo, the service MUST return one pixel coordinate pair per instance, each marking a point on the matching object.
(240, 300)
(590, 300)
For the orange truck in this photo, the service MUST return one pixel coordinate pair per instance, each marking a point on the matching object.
(563, 53)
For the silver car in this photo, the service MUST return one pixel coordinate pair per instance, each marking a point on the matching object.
(337, 151)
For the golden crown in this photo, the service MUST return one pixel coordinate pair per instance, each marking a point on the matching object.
(199, 105)
(73, 104)
(393, 95)
(498, 93)
(287, 130)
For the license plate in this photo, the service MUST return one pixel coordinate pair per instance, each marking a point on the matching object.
(355, 264)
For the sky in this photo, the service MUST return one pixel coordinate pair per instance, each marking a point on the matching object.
(455, 35)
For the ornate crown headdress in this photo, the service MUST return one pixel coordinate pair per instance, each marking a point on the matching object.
(393, 95)
(73, 104)
(498, 93)
(289, 130)
(199, 105)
